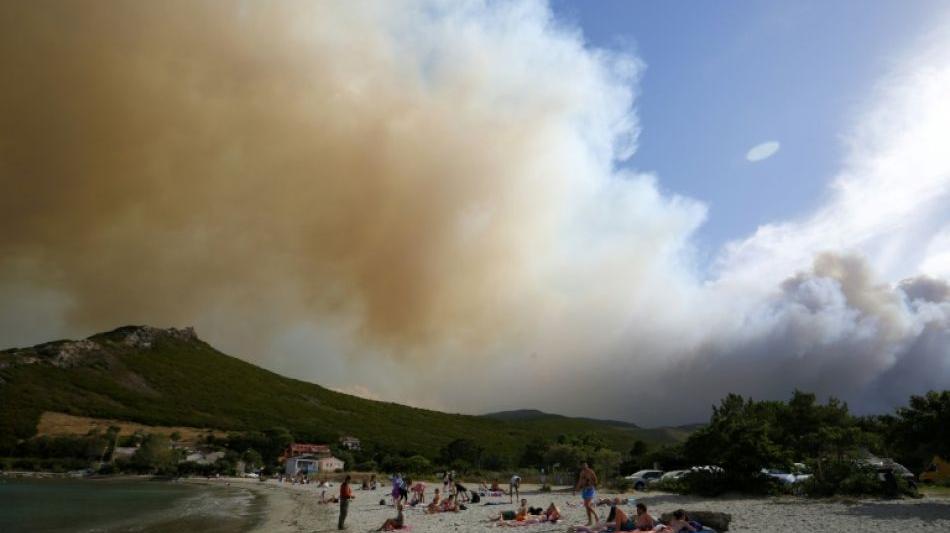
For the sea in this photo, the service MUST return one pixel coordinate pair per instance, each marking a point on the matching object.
(120, 505)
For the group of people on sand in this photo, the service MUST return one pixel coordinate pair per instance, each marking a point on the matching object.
(448, 500)
(618, 520)
(528, 515)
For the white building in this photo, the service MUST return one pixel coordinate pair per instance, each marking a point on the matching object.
(329, 464)
(350, 442)
(302, 464)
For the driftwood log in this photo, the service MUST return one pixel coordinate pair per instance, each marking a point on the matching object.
(717, 521)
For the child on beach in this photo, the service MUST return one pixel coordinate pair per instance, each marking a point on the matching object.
(436, 501)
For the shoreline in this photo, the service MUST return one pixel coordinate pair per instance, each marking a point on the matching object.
(289, 508)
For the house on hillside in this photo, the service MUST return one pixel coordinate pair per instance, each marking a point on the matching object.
(124, 452)
(350, 443)
(329, 464)
(300, 448)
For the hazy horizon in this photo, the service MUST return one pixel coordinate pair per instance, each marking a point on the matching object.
(622, 212)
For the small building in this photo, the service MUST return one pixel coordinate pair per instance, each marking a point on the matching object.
(301, 464)
(124, 452)
(300, 448)
(350, 443)
(329, 464)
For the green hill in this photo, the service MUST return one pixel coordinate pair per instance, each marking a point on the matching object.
(169, 377)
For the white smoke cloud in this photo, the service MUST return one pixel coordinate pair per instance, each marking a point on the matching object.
(422, 202)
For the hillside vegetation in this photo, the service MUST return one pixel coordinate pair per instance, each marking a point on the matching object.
(170, 377)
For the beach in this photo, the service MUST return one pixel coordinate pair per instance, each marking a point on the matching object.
(294, 508)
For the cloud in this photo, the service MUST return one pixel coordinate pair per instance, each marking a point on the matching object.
(762, 151)
(424, 199)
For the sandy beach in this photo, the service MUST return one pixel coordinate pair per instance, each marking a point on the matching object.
(294, 508)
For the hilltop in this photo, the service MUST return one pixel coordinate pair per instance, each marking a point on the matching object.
(170, 377)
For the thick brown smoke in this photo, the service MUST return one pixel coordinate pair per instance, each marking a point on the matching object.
(166, 160)
(421, 201)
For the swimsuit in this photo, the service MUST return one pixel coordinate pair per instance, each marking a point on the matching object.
(588, 493)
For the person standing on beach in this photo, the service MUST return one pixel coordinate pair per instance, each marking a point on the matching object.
(514, 484)
(587, 483)
(346, 494)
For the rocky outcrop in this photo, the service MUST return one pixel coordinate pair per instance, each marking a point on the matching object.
(144, 337)
(102, 347)
(712, 519)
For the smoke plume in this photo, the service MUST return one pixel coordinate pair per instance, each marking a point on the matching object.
(424, 201)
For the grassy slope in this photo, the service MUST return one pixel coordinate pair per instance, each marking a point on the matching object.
(190, 383)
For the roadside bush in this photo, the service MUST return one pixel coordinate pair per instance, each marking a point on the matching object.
(366, 466)
(619, 484)
(842, 477)
(714, 483)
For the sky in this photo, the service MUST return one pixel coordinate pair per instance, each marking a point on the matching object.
(617, 209)
(722, 77)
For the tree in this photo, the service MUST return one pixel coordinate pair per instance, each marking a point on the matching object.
(736, 439)
(252, 459)
(606, 461)
(533, 455)
(154, 455)
(922, 429)
(566, 456)
(417, 464)
(461, 450)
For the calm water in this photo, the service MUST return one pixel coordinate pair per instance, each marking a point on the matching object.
(121, 505)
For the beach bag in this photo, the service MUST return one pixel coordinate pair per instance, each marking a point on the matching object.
(476, 498)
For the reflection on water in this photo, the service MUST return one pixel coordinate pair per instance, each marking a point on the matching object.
(124, 505)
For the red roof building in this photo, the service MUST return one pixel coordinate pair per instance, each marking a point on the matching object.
(300, 448)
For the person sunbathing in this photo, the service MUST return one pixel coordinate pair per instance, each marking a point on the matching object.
(551, 515)
(519, 515)
(394, 523)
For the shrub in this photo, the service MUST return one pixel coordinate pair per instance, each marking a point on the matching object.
(843, 477)
(618, 484)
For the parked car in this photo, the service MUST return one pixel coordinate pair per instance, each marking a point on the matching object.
(887, 465)
(672, 475)
(797, 474)
(712, 469)
(643, 477)
(669, 476)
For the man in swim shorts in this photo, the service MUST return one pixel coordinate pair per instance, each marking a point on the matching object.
(587, 483)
